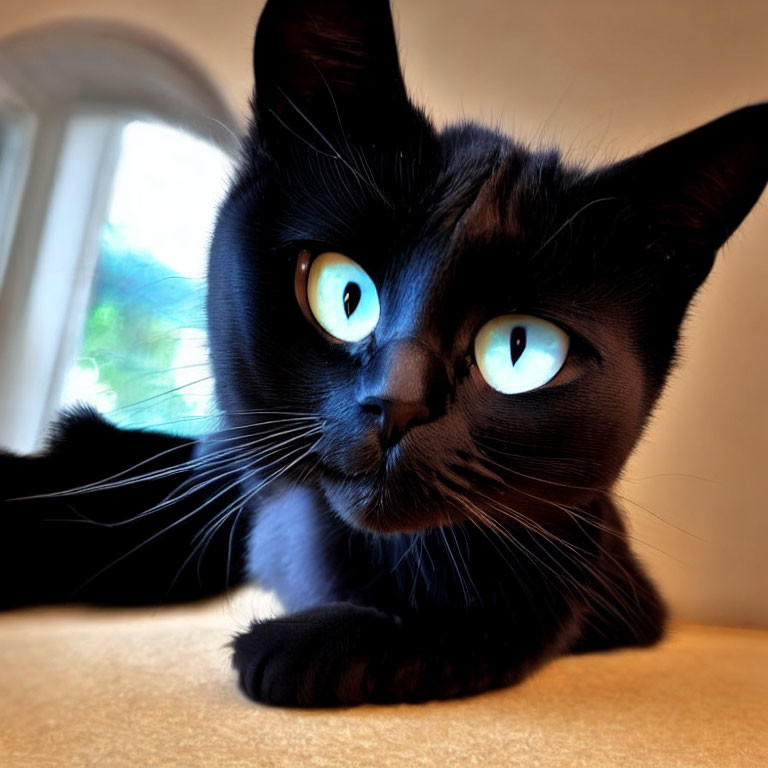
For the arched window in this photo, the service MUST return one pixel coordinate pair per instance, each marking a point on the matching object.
(114, 152)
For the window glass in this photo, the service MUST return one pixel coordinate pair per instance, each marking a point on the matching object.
(143, 356)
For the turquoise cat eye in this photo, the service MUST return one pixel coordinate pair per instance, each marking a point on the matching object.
(518, 353)
(342, 297)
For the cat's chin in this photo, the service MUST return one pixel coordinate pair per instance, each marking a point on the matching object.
(370, 504)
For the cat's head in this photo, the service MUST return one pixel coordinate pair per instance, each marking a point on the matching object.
(480, 330)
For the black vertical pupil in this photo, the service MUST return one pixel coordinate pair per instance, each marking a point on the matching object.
(517, 343)
(351, 298)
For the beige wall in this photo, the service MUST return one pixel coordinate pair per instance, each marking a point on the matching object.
(602, 78)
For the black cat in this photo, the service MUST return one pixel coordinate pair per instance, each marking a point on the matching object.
(434, 351)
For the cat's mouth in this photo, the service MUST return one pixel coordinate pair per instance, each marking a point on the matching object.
(384, 501)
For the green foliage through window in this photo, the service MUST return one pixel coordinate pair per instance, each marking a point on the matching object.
(143, 356)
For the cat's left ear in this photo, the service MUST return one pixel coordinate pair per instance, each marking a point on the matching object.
(328, 67)
(684, 199)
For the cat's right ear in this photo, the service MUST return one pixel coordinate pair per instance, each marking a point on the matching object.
(328, 69)
(683, 199)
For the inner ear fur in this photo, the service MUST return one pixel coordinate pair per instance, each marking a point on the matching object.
(687, 196)
(328, 67)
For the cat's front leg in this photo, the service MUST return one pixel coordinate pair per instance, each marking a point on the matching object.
(341, 654)
(114, 517)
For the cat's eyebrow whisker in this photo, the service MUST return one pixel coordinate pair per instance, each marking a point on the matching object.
(569, 221)
(343, 133)
(360, 154)
(329, 144)
(298, 136)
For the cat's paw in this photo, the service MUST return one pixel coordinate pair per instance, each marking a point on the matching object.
(341, 654)
(333, 655)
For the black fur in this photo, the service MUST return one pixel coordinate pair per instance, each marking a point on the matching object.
(429, 536)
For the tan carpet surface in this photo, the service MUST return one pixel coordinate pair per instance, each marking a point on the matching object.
(154, 688)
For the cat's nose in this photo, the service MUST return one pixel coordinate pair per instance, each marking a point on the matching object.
(405, 385)
(395, 418)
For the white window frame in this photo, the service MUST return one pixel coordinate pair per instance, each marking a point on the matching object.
(18, 128)
(80, 84)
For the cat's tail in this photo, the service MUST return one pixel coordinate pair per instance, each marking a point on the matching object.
(117, 517)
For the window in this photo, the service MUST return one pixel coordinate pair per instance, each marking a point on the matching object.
(116, 164)
(16, 129)
(142, 358)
